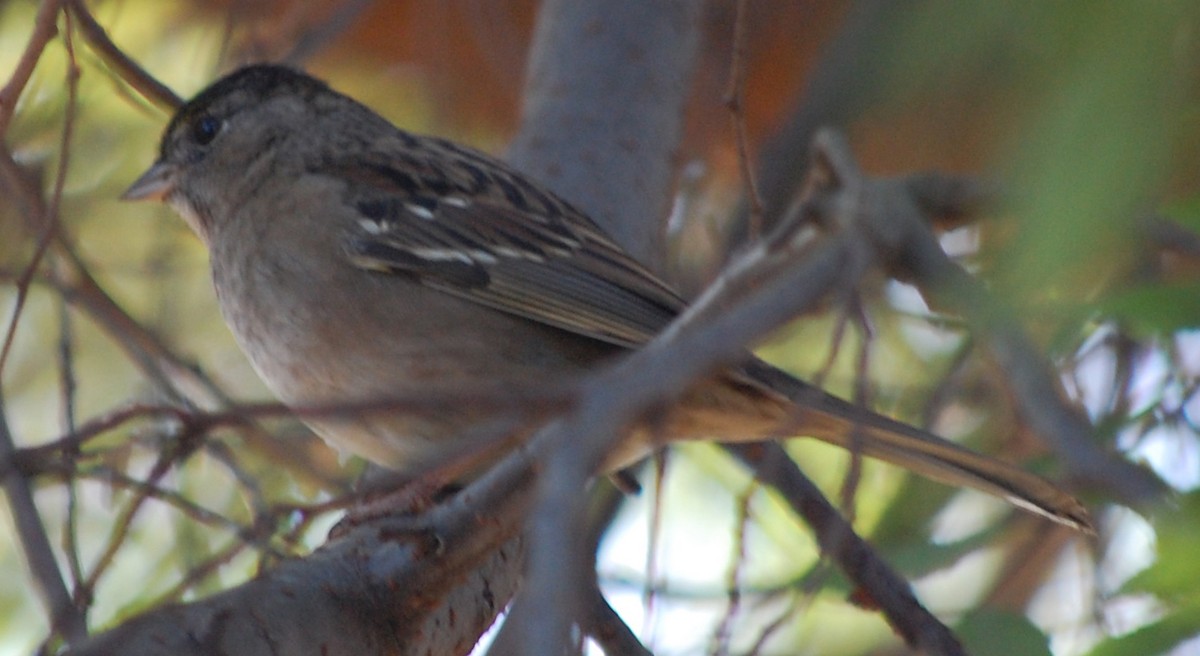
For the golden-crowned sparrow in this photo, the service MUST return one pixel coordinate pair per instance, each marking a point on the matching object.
(355, 261)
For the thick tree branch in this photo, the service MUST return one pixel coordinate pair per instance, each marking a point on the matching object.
(603, 109)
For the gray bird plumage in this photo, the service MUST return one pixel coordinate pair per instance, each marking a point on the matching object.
(355, 261)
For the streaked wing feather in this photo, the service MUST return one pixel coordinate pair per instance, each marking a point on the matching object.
(517, 249)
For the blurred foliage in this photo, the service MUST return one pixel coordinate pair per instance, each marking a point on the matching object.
(1086, 114)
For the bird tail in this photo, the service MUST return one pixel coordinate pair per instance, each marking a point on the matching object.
(813, 412)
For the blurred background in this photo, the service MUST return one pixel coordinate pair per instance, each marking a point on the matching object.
(1084, 115)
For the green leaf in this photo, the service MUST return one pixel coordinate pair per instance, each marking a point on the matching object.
(1186, 212)
(1155, 638)
(1176, 570)
(1156, 309)
(996, 633)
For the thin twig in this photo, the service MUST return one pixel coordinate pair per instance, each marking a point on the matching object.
(654, 531)
(133, 74)
(51, 220)
(188, 508)
(67, 382)
(66, 352)
(919, 629)
(606, 627)
(735, 97)
(722, 636)
(65, 618)
(862, 382)
(45, 27)
(176, 453)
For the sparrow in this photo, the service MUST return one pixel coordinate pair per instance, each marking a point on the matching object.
(355, 261)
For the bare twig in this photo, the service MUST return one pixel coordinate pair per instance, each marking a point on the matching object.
(861, 397)
(51, 220)
(721, 637)
(607, 628)
(45, 27)
(68, 385)
(66, 352)
(841, 86)
(735, 96)
(654, 531)
(133, 74)
(65, 617)
(179, 451)
(919, 629)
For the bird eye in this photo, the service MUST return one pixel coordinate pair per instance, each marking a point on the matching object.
(205, 129)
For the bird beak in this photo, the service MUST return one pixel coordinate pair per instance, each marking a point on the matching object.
(155, 184)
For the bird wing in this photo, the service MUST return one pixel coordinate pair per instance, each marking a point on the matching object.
(461, 222)
(464, 223)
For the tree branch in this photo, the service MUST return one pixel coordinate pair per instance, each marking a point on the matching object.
(603, 110)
